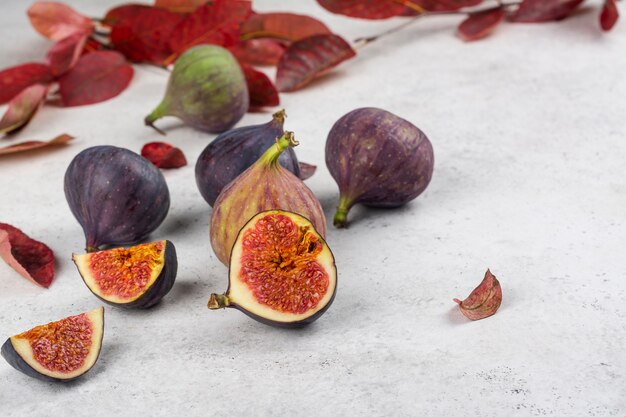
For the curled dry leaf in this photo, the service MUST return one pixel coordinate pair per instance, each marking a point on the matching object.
(163, 155)
(480, 24)
(309, 58)
(179, 6)
(484, 301)
(65, 53)
(285, 26)
(258, 51)
(535, 11)
(23, 107)
(15, 79)
(365, 9)
(261, 90)
(306, 170)
(30, 258)
(34, 144)
(609, 15)
(57, 20)
(96, 77)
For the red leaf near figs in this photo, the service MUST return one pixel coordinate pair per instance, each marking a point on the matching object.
(364, 9)
(216, 23)
(23, 107)
(163, 155)
(65, 53)
(13, 80)
(309, 58)
(30, 258)
(57, 20)
(481, 24)
(35, 144)
(179, 6)
(306, 170)
(536, 11)
(261, 89)
(609, 15)
(285, 26)
(258, 51)
(484, 301)
(142, 33)
(96, 77)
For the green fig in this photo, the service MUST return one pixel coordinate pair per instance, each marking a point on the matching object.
(206, 90)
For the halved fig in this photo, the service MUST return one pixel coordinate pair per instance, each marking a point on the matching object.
(59, 351)
(281, 273)
(137, 277)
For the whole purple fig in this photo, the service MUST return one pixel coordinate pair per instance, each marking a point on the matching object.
(206, 89)
(117, 196)
(377, 159)
(234, 151)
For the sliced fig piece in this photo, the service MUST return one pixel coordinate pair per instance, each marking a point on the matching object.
(282, 273)
(137, 277)
(59, 351)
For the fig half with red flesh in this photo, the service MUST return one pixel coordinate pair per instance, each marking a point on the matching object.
(137, 277)
(59, 351)
(282, 272)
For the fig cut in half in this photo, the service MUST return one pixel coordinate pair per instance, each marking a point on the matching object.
(282, 272)
(137, 277)
(59, 351)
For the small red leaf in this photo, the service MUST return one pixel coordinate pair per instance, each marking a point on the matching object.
(258, 51)
(484, 301)
(163, 155)
(142, 33)
(216, 23)
(286, 26)
(23, 107)
(15, 79)
(96, 77)
(65, 53)
(179, 6)
(57, 20)
(364, 9)
(480, 24)
(261, 89)
(609, 15)
(35, 144)
(309, 58)
(30, 258)
(536, 11)
(306, 170)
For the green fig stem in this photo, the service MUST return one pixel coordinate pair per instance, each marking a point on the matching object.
(341, 215)
(270, 157)
(154, 116)
(279, 116)
(217, 301)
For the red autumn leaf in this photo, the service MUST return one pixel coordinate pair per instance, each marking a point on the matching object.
(309, 58)
(30, 258)
(216, 23)
(440, 5)
(65, 53)
(484, 301)
(179, 6)
(142, 33)
(535, 11)
(364, 9)
(480, 24)
(286, 26)
(96, 77)
(306, 170)
(609, 15)
(13, 80)
(258, 51)
(34, 144)
(163, 155)
(261, 89)
(23, 107)
(57, 20)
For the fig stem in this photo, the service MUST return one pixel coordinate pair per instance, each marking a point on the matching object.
(270, 157)
(279, 116)
(153, 117)
(341, 215)
(218, 301)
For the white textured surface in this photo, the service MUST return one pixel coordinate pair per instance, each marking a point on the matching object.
(529, 132)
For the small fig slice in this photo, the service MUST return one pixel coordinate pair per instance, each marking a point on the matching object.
(59, 351)
(282, 273)
(137, 277)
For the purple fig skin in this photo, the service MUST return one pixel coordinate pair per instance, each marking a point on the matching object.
(234, 151)
(377, 159)
(117, 196)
